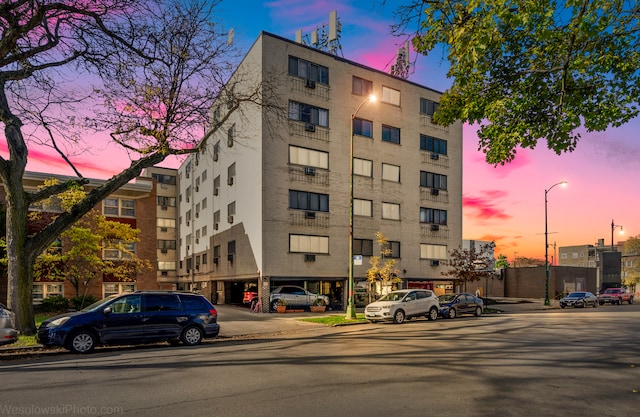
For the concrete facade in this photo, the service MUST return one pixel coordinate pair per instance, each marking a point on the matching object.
(249, 231)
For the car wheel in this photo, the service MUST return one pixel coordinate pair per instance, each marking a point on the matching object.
(191, 336)
(601, 303)
(453, 313)
(561, 305)
(478, 312)
(630, 300)
(274, 305)
(398, 317)
(619, 301)
(595, 304)
(82, 341)
(433, 314)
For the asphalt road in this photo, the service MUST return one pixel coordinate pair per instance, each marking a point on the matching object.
(545, 363)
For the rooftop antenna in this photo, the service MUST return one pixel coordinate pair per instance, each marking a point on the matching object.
(325, 38)
(402, 65)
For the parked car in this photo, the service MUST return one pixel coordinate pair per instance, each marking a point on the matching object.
(579, 299)
(403, 304)
(615, 296)
(250, 295)
(8, 332)
(133, 318)
(295, 296)
(452, 305)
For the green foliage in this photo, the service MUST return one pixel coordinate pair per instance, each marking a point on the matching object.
(502, 262)
(531, 69)
(381, 272)
(81, 301)
(631, 261)
(54, 304)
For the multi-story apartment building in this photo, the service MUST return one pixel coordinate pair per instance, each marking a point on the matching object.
(132, 205)
(605, 258)
(268, 201)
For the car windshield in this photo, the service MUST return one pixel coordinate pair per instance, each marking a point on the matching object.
(393, 296)
(98, 304)
(445, 298)
(576, 295)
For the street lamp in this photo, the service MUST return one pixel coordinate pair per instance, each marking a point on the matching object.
(546, 245)
(613, 227)
(351, 308)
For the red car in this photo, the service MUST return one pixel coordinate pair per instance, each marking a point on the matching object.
(250, 295)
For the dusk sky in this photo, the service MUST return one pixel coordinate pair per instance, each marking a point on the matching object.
(505, 203)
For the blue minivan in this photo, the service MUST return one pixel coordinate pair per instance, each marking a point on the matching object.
(133, 318)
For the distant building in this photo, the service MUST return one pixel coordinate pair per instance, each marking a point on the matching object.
(607, 261)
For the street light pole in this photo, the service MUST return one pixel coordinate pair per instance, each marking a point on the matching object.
(546, 246)
(351, 308)
(613, 227)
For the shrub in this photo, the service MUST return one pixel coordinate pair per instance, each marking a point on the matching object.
(54, 304)
(81, 301)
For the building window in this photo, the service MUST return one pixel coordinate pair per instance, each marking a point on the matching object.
(363, 127)
(216, 151)
(308, 244)
(166, 244)
(391, 211)
(164, 179)
(391, 134)
(204, 258)
(166, 265)
(204, 231)
(304, 200)
(390, 172)
(308, 114)
(204, 203)
(231, 134)
(40, 291)
(434, 145)
(363, 247)
(392, 249)
(216, 219)
(308, 157)
(428, 107)
(391, 96)
(119, 207)
(216, 254)
(118, 250)
(231, 209)
(433, 216)
(431, 180)
(204, 175)
(166, 201)
(362, 207)
(115, 288)
(308, 70)
(216, 185)
(231, 173)
(428, 251)
(363, 167)
(166, 223)
(231, 247)
(360, 86)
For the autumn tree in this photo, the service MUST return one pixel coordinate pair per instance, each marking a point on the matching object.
(631, 256)
(383, 272)
(523, 261)
(529, 70)
(467, 265)
(145, 72)
(502, 262)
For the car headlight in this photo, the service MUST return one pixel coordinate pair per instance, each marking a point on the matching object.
(58, 322)
(386, 307)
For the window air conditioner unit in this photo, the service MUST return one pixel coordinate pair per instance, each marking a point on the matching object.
(215, 156)
(163, 229)
(197, 215)
(197, 267)
(435, 262)
(215, 226)
(216, 260)
(435, 191)
(230, 257)
(197, 240)
(309, 171)
(164, 273)
(230, 219)
(197, 188)
(163, 207)
(188, 248)
(309, 127)
(188, 199)
(164, 185)
(310, 84)
(435, 227)
(215, 191)
(310, 215)
(163, 250)
(188, 223)
(230, 181)
(308, 257)
(435, 156)
(230, 143)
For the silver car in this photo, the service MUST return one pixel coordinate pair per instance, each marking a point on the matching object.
(8, 332)
(294, 296)
(403, 304)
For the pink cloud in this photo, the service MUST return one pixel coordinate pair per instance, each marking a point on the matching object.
(485, 208)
